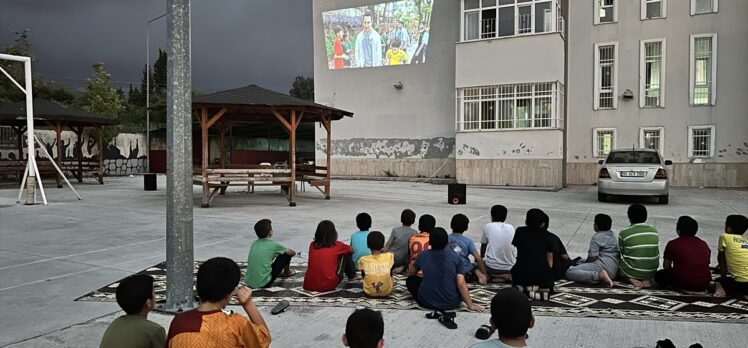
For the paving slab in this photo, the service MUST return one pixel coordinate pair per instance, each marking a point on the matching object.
(51, 255)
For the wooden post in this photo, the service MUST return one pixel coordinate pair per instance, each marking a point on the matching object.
(204, 141)
(222, 129)
(101, 155)
(292, 160)
(327, 123)
(79, 140)
(58, 134)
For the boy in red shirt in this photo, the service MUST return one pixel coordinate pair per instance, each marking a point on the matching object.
(329, 259)
(686, 260)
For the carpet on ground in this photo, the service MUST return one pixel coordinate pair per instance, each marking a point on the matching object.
(570, 300)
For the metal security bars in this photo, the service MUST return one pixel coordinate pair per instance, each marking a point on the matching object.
(605, 76)
(702, 70)
(701, 141)
(517, 106)
(652, 73)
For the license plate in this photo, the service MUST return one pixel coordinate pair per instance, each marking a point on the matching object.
(632, 174)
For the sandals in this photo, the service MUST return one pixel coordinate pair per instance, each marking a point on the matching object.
(484, 332)
(280, 307)
(445, 318)
(290, 274)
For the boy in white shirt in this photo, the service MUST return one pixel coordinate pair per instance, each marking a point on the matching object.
(496, 245)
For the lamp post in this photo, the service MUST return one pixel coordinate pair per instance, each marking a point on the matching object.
(148, 91)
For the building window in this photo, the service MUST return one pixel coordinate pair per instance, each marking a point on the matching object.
(703, 69)
(488, 19)
(605, 11)
(703, 6)
(603, 140)
(532, 105)
(700, 141)
(606, 76)
(652, 138)
(653, 9)
(652, 73)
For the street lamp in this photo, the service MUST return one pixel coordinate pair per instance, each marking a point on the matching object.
(148, 91)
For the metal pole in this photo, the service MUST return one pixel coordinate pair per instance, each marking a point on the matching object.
(33, 170)
(179, 243)
(148, 92)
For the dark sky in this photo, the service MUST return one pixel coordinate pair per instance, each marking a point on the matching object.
(234, 42)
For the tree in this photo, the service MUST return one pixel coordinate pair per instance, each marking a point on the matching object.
(102, 99)
(41, 89)
(303, 88)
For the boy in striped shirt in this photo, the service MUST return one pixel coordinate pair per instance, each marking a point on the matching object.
(640, 251)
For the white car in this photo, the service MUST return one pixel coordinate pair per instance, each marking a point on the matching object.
(634, 172)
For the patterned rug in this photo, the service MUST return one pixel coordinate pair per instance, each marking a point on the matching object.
(571, 300)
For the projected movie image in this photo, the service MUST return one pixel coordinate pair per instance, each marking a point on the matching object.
(392, 33)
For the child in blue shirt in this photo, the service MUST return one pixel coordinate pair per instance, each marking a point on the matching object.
(464, 247)
(358, 239)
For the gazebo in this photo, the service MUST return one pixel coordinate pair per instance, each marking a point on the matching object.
(254, 105)
(57, 117)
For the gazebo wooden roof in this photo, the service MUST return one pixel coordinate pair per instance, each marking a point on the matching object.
(57, 117)
(252, 104)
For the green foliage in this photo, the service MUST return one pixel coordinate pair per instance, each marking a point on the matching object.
(41, 89)
(102, 99)
(303, 88)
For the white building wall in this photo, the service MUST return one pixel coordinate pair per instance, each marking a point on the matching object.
(729, 115)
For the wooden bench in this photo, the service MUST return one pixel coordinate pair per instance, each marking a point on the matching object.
(218, 179)
(315, 176)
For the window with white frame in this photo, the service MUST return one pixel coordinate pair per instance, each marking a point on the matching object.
(653, 9)
(603, 140)
(703, 6)
(700, 141)
(606, 76)
(652, 138)
(487, 19)
(703, 69)
(652, 73)
(606, 11)
(531, 105)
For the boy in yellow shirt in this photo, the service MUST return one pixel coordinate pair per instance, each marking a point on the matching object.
(396, 56)
(733, 258)
(377, 267)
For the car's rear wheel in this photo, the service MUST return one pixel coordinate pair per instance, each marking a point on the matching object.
(663, 199)
(602, 197)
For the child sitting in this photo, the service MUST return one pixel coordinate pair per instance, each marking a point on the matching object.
(397, 244)
(686, 260)
(267, 258)
(329, 259)
(511, 315)
(442, 286)
(211, 325)
(496, 247)
(531, 273)
(602, 257)
(640, 251)
(395, 55)
(358, 238)
(561, 260)
(420, 241)
(135, 296)
(364, 329)
(733, 258)
(377, 267)
(464, 247)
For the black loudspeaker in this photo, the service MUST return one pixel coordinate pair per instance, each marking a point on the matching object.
(456, 194)
(149, 182)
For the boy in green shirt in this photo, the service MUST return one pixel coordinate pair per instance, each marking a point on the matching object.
(640, 249)
(267, 258)
(135, 296)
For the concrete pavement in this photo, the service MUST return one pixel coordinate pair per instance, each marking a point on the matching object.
(52, 255)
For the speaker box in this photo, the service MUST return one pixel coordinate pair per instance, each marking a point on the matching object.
(456, 194)
(149, 182)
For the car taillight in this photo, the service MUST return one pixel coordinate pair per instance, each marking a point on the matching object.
(661, 174)
(604, 174)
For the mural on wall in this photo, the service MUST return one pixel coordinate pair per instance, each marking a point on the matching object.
(124, 155)
(439, 147)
